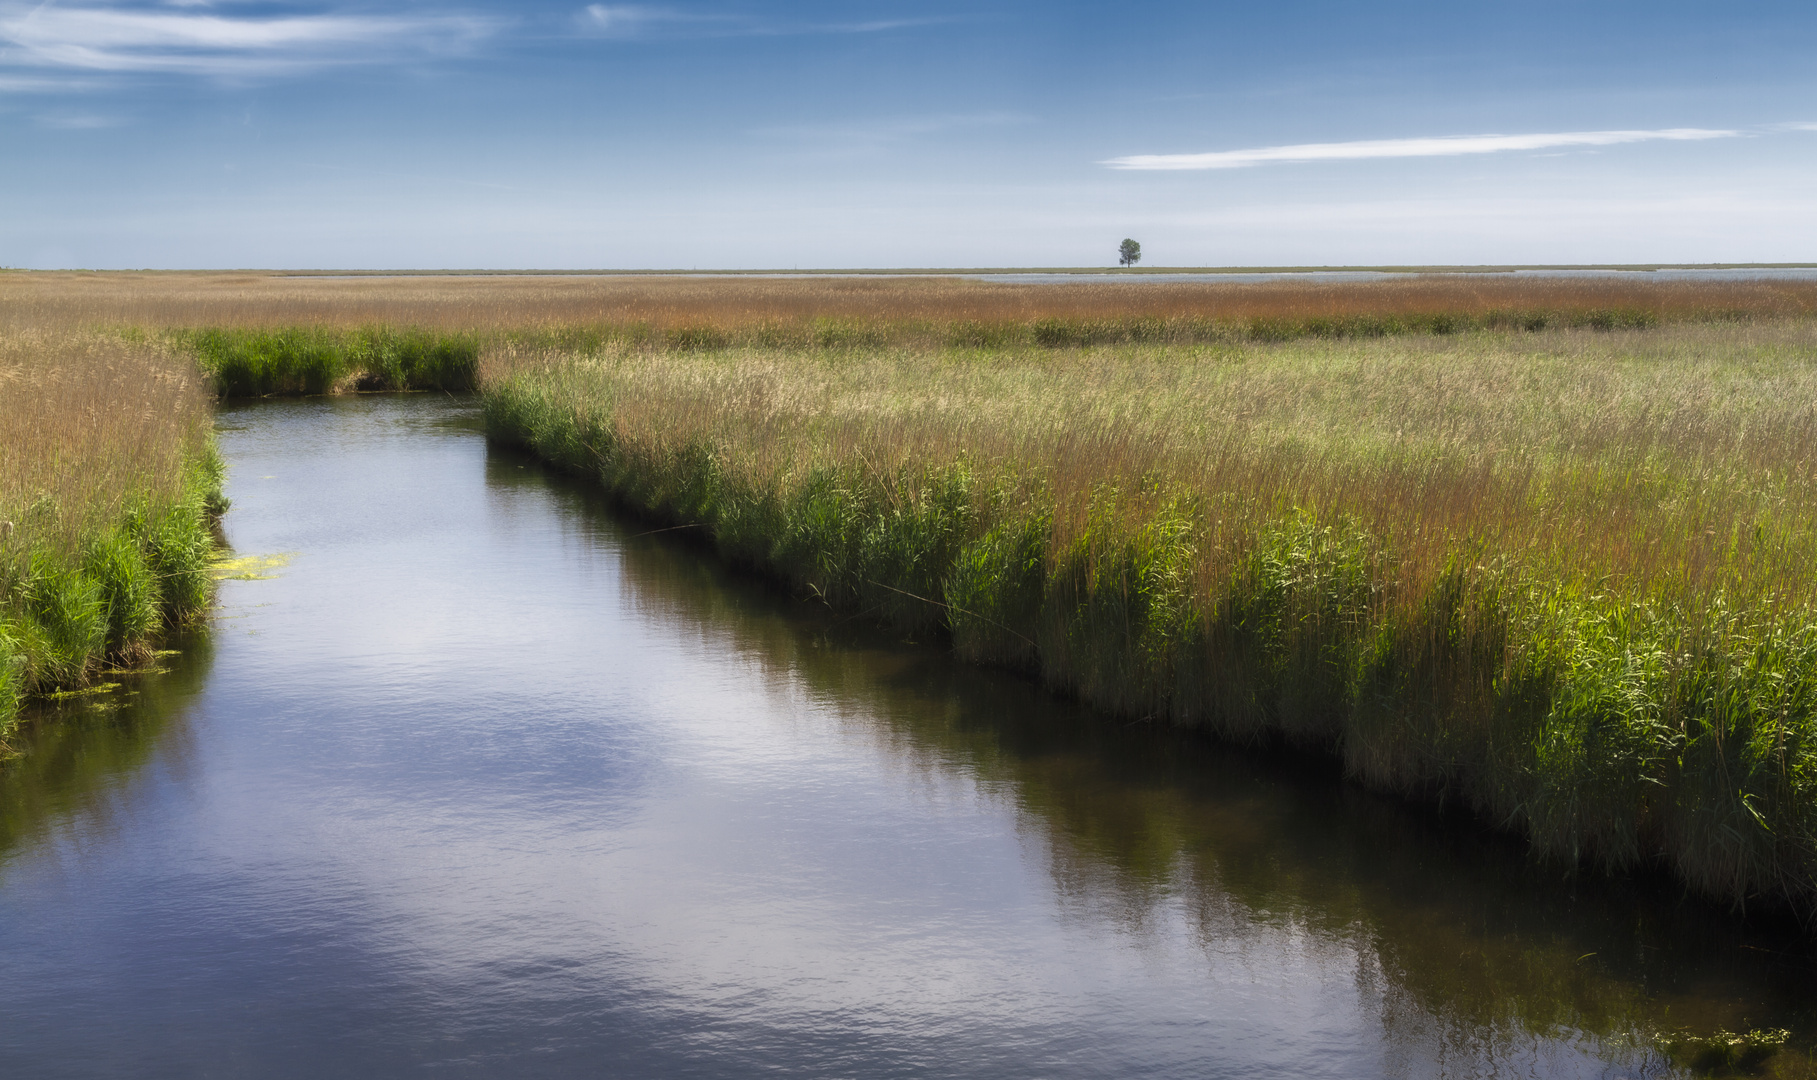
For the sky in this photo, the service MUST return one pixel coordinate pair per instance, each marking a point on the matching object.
(382, 134)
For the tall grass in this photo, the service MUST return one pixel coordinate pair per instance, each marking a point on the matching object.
(1563, 578)
(108, 485)
(256, 362)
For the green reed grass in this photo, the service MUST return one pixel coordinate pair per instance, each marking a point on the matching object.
(109, 489)
(1563, 578)
(257, 362)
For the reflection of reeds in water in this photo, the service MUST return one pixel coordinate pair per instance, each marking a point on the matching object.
(1566, 579)
(1470, 954)
(78, 755)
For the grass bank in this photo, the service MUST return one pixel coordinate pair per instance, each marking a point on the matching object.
(109, 488)
(1562, 577)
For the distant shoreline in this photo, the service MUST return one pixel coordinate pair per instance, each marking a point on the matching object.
(974, 271)
(1144, 271)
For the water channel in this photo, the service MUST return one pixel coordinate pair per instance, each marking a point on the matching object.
(486, 781)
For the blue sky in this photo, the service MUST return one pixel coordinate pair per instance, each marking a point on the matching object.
(218, 133)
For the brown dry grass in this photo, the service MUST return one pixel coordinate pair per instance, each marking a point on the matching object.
(165, 300)
(1680, 458)
(89, 426)
(107, 478)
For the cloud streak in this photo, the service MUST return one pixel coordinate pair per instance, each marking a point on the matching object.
(1375, 149)
(77, 121)
(114, 39)
(626, 21)
(630, 20)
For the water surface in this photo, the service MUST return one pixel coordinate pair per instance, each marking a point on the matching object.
(483, 782)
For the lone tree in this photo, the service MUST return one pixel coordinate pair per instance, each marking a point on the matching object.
(1129, 253)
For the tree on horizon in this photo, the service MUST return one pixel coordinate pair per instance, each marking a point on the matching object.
(1129, 253)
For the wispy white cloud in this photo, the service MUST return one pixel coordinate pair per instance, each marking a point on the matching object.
(1439, 146)
(642, 21)
(122, 39)
(77, 121)
(874, 26)
(11, 83)
(634, 20)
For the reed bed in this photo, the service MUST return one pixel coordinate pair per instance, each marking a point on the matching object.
(108, 488)
(844, 311)
(1564, 578)
(257, 334)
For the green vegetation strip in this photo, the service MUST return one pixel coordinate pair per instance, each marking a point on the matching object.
(64, 614)
(1562, 580)
(252, 362)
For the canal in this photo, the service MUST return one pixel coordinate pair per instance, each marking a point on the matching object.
(472, 777)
